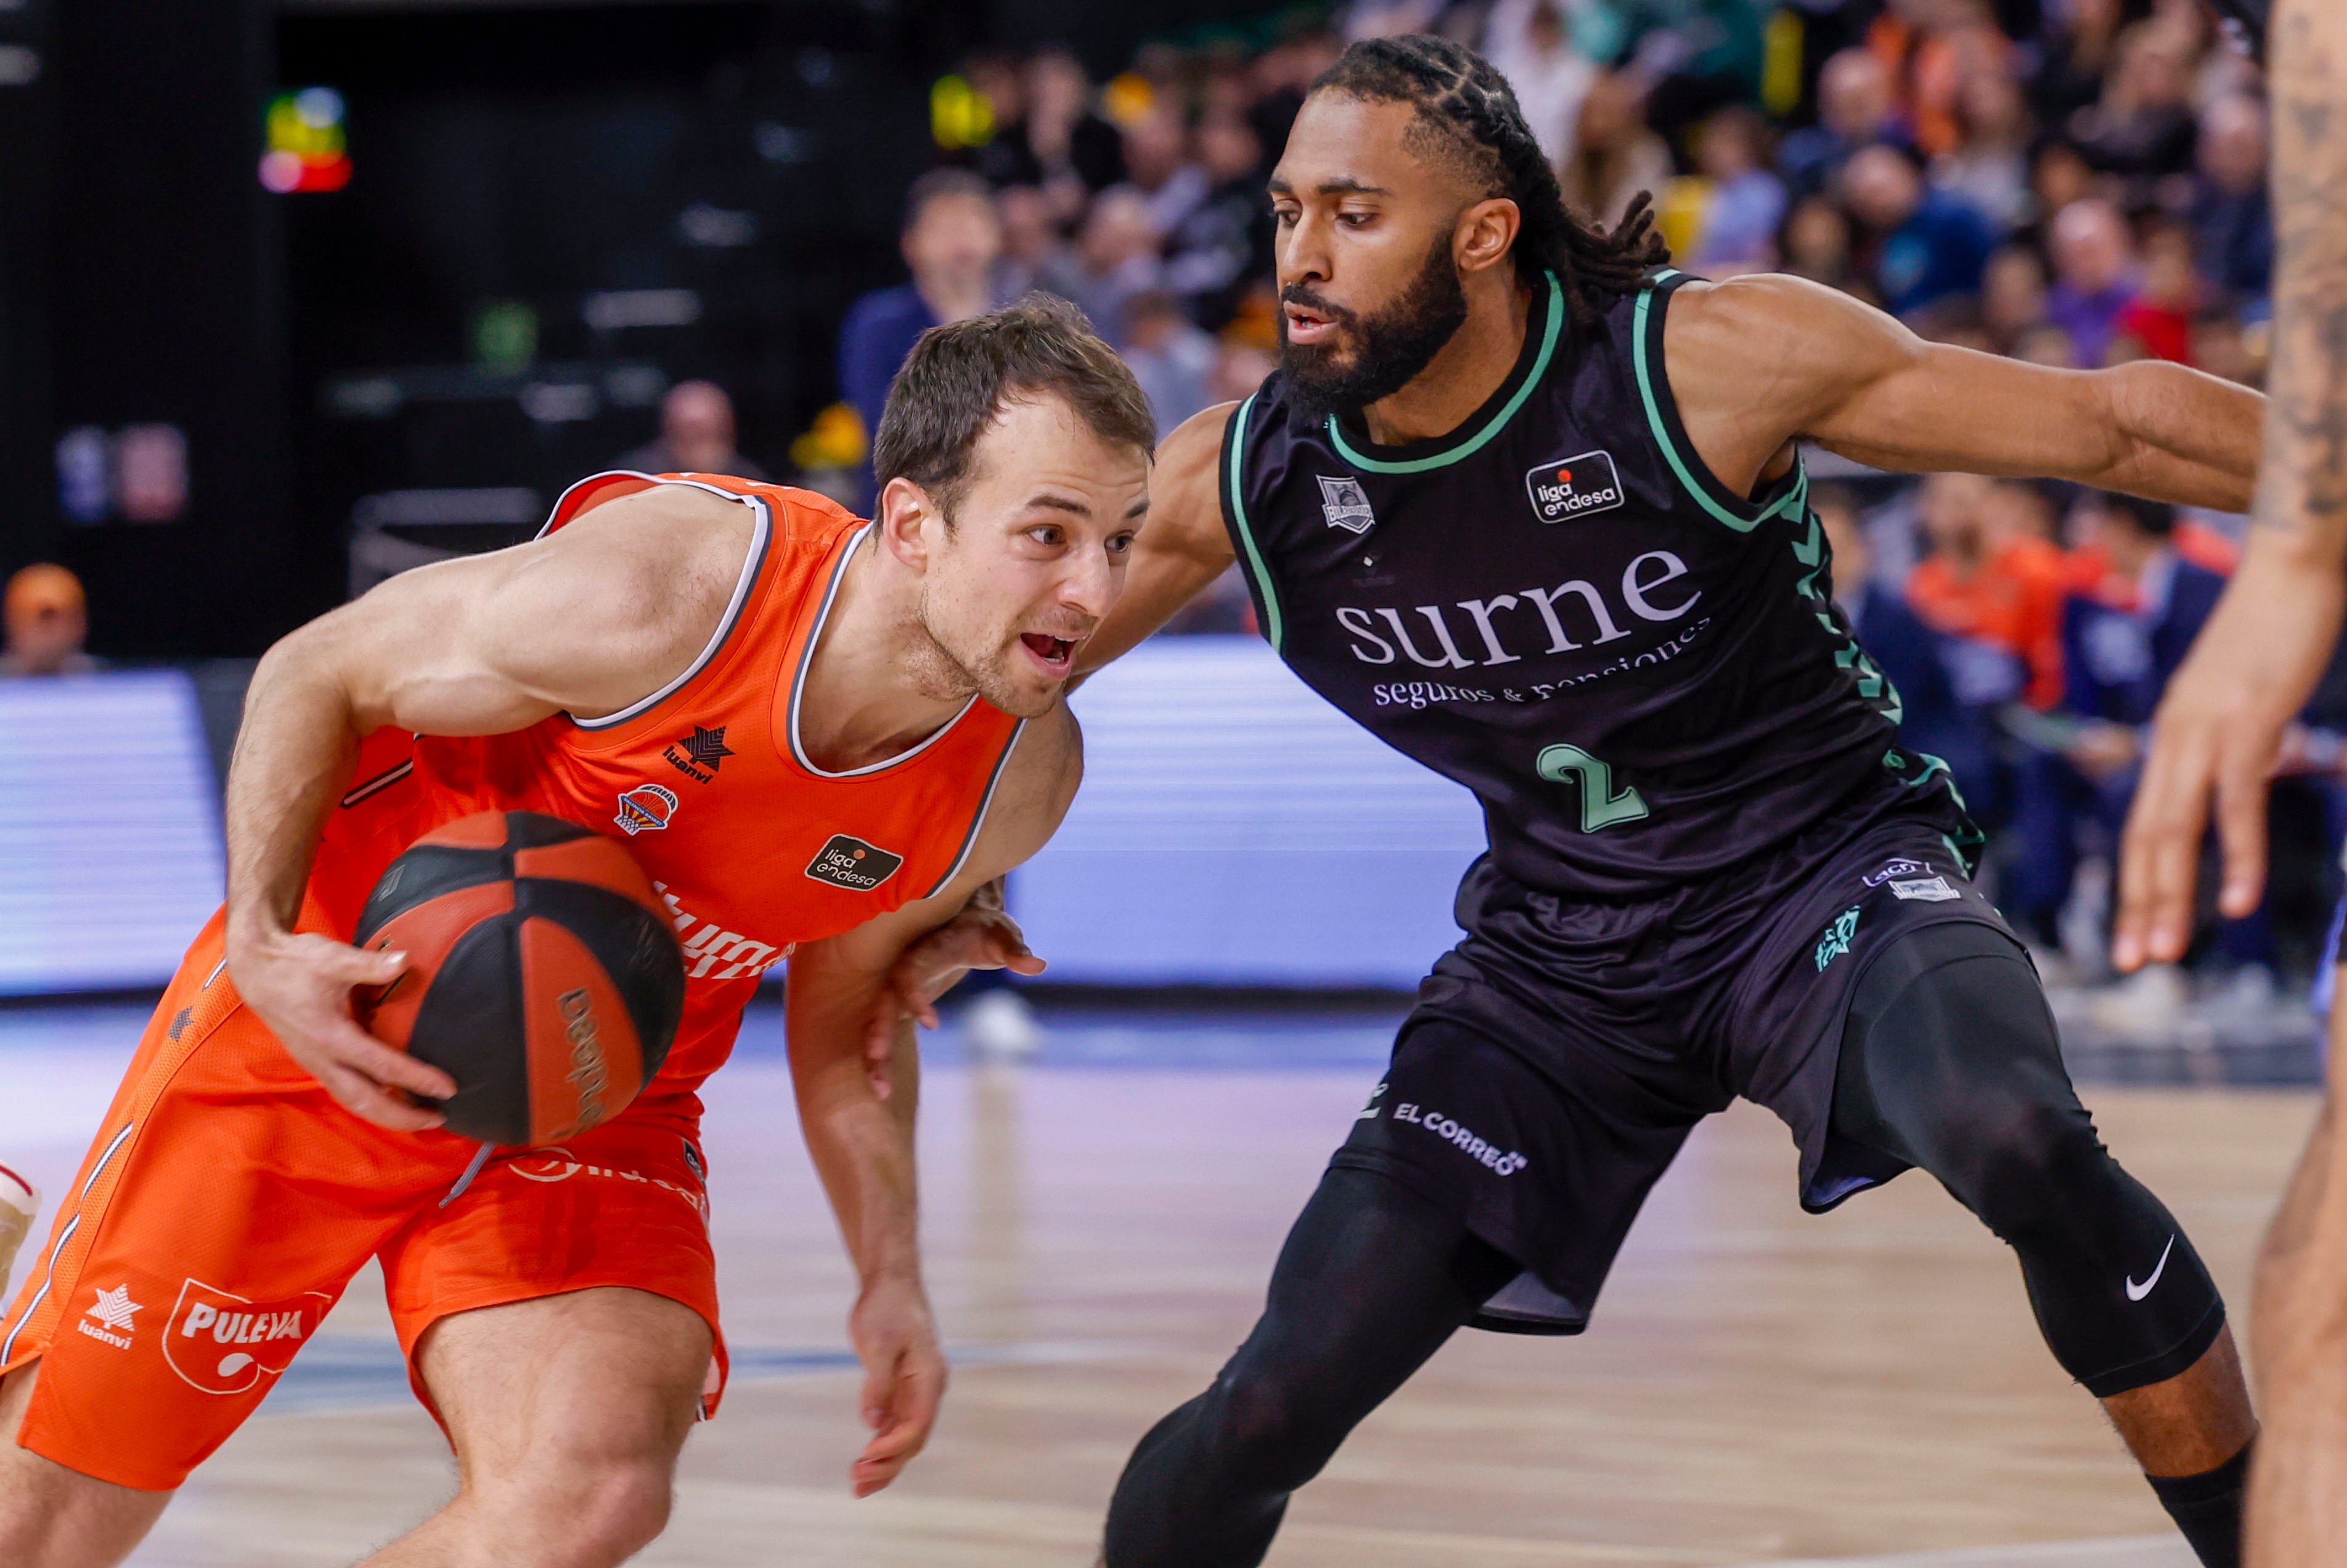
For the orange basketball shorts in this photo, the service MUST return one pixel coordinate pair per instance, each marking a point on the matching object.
(228, 1201)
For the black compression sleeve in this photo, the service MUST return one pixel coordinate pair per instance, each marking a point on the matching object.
(1372, 1280)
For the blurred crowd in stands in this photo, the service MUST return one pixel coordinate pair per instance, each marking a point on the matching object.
(2073, 182)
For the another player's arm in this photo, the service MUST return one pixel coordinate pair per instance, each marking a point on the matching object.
(1181, 546)
(2220, 725)
(858, 1123)
(1758, 361)
(587, 621)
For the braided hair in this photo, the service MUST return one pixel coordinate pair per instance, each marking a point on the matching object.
(1467, 116)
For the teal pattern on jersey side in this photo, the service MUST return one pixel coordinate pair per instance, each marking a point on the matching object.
(1262, 574)
(1481, 438)
(1811, 551)
(1967, 846)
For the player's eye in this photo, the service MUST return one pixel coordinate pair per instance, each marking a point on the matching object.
(1045, 534)
(1355, 219)
(1120, 544)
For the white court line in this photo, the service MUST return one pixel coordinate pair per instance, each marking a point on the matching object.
(2116, 1551)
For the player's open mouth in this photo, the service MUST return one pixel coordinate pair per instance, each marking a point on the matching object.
(1307, 326)
(1053, 653)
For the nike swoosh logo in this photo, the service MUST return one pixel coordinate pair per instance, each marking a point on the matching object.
(2137, 1292)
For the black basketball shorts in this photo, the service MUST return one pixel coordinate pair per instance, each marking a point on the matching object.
(1560, 1055)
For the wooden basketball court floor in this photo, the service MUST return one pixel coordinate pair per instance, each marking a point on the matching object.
(1758, 1385)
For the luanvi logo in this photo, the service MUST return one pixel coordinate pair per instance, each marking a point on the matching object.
(848, 861)
(1584, 484)
(700, 754)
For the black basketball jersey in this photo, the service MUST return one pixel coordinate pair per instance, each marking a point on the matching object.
(1640, 674)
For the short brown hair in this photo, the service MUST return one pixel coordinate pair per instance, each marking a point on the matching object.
(960, 375)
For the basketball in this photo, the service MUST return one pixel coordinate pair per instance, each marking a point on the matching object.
(545, 976)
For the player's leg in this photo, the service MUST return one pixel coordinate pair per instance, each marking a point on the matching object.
(1372, 1280)
(1476, 1185)
(2298, 1327)
(560, 1318)
(221, 1210)
(53, 1517)
(1949, 1062)
(568, 1414)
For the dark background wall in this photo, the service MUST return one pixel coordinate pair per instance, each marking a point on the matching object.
(319, 348)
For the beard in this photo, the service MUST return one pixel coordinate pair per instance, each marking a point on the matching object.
(1389, 347)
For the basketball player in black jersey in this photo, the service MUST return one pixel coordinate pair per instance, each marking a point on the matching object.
(1527, 505)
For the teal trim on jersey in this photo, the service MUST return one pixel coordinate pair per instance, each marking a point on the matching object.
(1662, 434)
(1236, 461)
(1552, 328)
(1736, 512)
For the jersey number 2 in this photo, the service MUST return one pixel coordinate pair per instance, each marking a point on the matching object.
(1601, 804)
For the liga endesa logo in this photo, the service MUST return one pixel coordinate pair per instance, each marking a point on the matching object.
(223, 1343)
(1588, 483)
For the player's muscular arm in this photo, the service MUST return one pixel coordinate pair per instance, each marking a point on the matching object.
(587, 621)
(1181, 546)
(2220, 725)
(858, 1123)
(1757, 363)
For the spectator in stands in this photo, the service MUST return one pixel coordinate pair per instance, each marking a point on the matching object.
(1926, 244)
(1992, 593)
(48, 621)
(1029, 239)
(1905, 650)
(1614, 155)
(1745, 202)
(1078, 150)
(1172, 359)
(1989, 165)
(2081, 41)
(951, 241)
(1531, 43)
(2230, 208)
(2157, 323)
(1227, 239)
(1158, 165)
(1115, 258)
(1932, 48)
(2125, 629)
(2013, 297)
(2141, 128)
(2094, 273)
(1855, 110)
(696, 435)
(1814, 244)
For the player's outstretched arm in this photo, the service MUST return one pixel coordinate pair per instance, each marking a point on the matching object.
(1181, 546)
(1760, 360)
(2220, 725)
(857, 1112)
(587, 621)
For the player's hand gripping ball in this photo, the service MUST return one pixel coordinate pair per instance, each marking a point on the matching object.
(543, 977)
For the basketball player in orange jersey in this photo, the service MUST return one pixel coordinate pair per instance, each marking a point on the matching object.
(817, 734)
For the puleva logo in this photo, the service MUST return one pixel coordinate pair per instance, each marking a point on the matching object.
(849, 862)
(1584, 484)
(223, 1343)
(645, 807)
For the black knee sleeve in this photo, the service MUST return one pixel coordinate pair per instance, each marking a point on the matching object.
(1949, 1062)
(1372, 1280)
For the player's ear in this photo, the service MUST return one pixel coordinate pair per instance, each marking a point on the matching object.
(1485, 232)
(909, 521)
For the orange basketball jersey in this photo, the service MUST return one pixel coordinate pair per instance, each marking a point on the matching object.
(754, 847)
